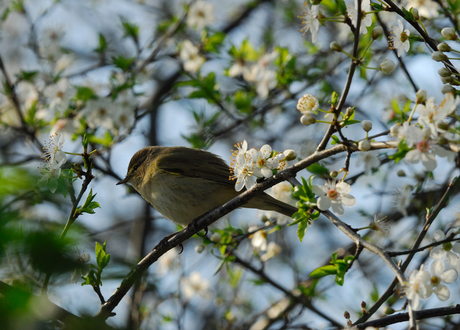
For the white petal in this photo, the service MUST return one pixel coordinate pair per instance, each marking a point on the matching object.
(250, 182)
(266, 172)
(323, 203)
(338, 208)
(413, 156)
(438, 235)
(449, 276)
(266, 150)
(343, 187)
(348, 200)
(456, 247)
(239, 184)
(437, 267)
(429, 161)
(442, 292)
(437, 252)
(319, 190)
(425, 290)
(451, 258)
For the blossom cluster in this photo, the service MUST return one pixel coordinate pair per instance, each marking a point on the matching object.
(423, 283)
(249, 165)
(54, 159)
(430, 136)
(334, 194)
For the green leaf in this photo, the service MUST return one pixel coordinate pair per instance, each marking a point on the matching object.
(105, 140)
(243, 101)
(302, 228)
(319, 170)
(324, 271)
(124, 63)
(342, 6)
(5, 14)
(27, 75)
(408, 15)
(401, 153)
(212, 43)
(102, 44)
(89, 205)
(84, 93)
(335, 139)
(131, 30)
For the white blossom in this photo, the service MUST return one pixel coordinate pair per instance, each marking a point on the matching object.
(200, 14)
(366, 19)
(308, 104)
(370, 161)
(189, 54)
(258, 238)
(439, 276)
(310, 21)
(167, 262)
(400, 38)
(448, 251)
(418, 287)
(402, 199)
(426, 8)
(335, 195)
(194, 285)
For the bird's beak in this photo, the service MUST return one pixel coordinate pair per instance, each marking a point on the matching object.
(123, 181)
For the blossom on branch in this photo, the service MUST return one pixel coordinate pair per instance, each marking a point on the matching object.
(310, 21)
(366, 19)
(400, 38)
(335, 195)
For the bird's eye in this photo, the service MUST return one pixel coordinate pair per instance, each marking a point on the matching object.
(135, 167)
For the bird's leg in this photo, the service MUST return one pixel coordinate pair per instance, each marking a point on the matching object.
(167, 238)
(192, 226)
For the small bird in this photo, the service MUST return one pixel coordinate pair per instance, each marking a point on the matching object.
(184, 183)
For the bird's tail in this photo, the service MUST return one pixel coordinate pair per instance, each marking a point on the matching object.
(268, 203)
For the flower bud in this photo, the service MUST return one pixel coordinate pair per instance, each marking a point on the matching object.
(366, 125)
(448, 89)
(442, 141)
(333, 174)
(215, 237)
(394, 130)
(346, 315)
(377, 32)
(84, 258)
(443, 126)
(415, 13)
(447, 80)
(420, 96)
(401, 173)
(443, 72)
(363, 304)
(389, 311)
(199, 248)
(364, 145)
(426, 133)
(307, 120)
(335, 46)
(307, 104)
(439, 57)
(443, 47)
(315, 2)
(387, 66)
(449, 34)
(289, 154)
(350, 111)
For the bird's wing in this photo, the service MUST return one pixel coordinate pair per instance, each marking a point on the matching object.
(200, 164)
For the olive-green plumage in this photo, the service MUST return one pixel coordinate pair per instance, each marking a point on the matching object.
(183, 183)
